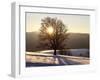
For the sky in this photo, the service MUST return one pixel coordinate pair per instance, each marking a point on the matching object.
(74, 23)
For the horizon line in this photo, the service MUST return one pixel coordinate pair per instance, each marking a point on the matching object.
(67, 32)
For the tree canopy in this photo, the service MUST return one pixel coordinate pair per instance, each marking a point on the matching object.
(53, 33)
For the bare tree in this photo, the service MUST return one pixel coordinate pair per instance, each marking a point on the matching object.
(53, 33)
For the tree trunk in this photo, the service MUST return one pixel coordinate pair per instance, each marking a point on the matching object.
(55, 52)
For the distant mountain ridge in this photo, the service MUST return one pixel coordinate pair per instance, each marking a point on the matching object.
(75, 41)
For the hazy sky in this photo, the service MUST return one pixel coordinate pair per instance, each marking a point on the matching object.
(75, 23)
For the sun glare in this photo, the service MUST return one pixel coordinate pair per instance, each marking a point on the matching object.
(50, 30)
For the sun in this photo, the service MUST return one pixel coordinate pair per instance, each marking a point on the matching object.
(50, 30)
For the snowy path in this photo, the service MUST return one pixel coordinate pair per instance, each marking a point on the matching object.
(37, 59)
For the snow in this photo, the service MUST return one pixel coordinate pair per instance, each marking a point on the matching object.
(74, 52)
(46, 58)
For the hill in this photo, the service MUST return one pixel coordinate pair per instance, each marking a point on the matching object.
(74, 41)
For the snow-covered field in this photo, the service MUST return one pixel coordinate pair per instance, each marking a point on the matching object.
(74, 52)
(46, 58)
